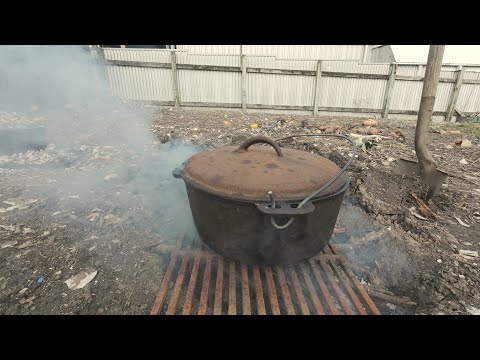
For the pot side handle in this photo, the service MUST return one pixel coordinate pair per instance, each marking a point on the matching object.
(285, 209)
(177, 172)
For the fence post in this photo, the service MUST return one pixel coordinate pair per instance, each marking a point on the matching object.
(317, 87)
(456, 91)
(243, 64)
(176, 89)
(389, 90)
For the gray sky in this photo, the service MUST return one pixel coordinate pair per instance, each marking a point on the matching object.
(464, 54)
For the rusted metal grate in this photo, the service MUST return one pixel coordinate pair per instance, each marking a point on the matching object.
(200, 282)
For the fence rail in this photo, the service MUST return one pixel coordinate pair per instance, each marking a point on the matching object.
(315, 86)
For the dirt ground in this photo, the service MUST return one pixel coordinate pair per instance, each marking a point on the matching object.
(409, 263)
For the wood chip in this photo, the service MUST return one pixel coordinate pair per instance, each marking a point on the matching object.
(460, 221)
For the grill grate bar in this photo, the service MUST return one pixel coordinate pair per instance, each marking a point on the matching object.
(202, 309)
(245, 291)
(232, 299)
(298, 291)
(327, 296)
(258, 291)
(178, 286)
(286, 294)
(164, 287)
(346, 284)
(187, 307)
(272, 294)
(368, 301)
(311, 289)
(217, 307)
(344, 305)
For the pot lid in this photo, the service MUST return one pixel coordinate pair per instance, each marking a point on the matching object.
(249, 173)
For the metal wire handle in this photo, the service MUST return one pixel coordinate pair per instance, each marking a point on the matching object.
(330, 182)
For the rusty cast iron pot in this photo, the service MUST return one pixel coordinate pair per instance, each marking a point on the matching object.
(242, 197)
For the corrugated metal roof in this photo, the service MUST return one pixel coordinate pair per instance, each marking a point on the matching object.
(454, 54)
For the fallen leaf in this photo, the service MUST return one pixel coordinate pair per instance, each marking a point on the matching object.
(454, 132)
(370, 122)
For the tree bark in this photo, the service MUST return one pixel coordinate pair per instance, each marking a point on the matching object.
(432, 74)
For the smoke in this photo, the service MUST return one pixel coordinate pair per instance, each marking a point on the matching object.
(101, 150)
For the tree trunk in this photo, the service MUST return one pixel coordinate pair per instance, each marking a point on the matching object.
(428, 167)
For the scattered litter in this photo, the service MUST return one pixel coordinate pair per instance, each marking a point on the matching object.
(227, 122)
(8, 244)
(93, 217)
(40, 280)
(110, 177)
(391, 306)
(460, 221)
(111, 219)
(463, 161)
(26, 245)
(56, 213)
(467, 243)
(8, 227)
(439, 261)
(468, 254)
(253, 126)
(74, 196)
(27, 231)
(21, 292)
(390, 159)
(58, 272)
(414, 213)
(45, 233)
(81, 279)
(28, 301)
(472, 311)
(19, 205)
(466, 143)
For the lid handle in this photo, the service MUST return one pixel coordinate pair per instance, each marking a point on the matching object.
(257, 140)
